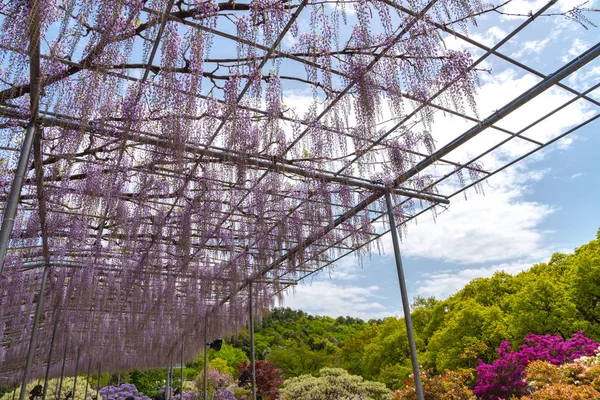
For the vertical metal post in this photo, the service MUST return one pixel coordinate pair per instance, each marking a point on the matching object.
(49, 364)
(87, 380)
(251, 327)
(34, 332)
(181, 386)
(205, 378)
(98, 385)
(404, 294)
(76, 371)
(167, 383)
(62, 371)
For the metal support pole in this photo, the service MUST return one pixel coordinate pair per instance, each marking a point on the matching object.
(49, 364)
(205, 378)
(404, 294)
(62, 371)
(34, 332)
(98, 385)
(167, 383)
(15, 193)
(181, 386)
(87, 380)
(76, 371)
(251, 327)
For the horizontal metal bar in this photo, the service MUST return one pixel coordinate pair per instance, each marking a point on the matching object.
(275, 164)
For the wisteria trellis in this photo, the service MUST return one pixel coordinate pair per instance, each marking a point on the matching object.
(173, 173)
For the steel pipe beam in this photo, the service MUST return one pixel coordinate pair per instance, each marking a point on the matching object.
(404, 294)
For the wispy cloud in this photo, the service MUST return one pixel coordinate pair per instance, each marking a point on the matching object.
(578, 47)
(577, 175)
(444, 283)
(531, 46)
(329, 298)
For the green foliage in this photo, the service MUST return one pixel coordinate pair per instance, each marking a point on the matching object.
(232, 356)
(585, 281)
(148, 382)
(53, 385)
(558, 297)
(221, 366)
(469, 324)
(298, 343)
(6, 389)
(333, 384)
(394, 375)
(298, 359)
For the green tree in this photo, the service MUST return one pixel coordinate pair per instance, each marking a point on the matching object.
(585, 280)
(469, 323)
(298, 359)
(231, 355)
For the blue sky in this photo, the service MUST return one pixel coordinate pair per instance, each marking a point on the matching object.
(547, 203)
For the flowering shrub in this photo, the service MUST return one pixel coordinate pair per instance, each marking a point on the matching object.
(219, 379)
(121, 392)
(451, 385)
(506, 376)
(223, 394)
(577, 380)
(268, 378)
(333, 384)
(562, 391)
(186, 396)
(216, 380)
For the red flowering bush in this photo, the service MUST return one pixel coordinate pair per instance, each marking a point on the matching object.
(506, 376)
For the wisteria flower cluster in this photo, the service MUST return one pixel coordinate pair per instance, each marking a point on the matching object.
(121, 392)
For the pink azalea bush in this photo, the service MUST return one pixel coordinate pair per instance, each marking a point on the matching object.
(505, 377)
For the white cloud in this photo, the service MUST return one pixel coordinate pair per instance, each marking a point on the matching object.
(442, 284)
(578, 47)
(496, 227)
(531, 46)
(347, 269)
(523, 7)
(577, 175)
(489, 38)
(327, 298)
